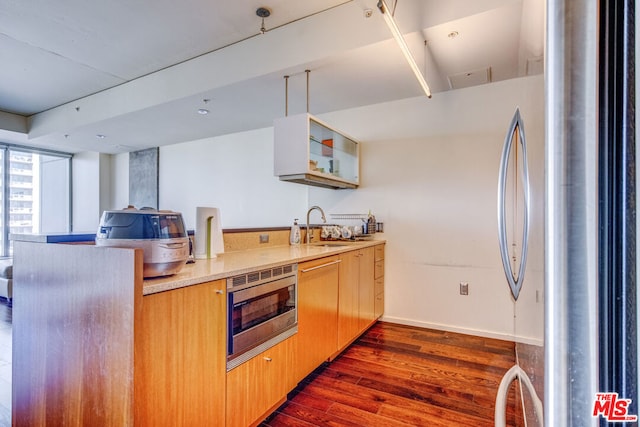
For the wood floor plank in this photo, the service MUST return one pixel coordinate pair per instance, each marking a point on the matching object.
(436, 416)
(469, 355)
(280, 419)
(406, 401)
(444, 373)
(308, 398)
(487, 368)
(364, 418)
(347, 394)
(314, 416)
(430, 396)
(443, 378)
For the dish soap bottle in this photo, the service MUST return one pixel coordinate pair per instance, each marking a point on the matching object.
(294, 234)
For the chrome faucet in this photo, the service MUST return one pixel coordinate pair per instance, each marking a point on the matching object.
(308, 237)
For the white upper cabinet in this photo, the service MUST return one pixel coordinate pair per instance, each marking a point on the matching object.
(308, 151)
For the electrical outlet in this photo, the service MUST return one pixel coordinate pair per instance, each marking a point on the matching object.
(464, 288)
(264, 238)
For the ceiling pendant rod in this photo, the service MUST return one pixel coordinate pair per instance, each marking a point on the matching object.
(263, 12)
(395, 31)
(308, 72)
(286, 96)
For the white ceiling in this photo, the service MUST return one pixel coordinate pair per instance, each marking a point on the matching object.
(137, 71)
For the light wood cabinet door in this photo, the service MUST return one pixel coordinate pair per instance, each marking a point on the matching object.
(268, 374)
(317, 337)
(158, 360)
(366, 288)
(348, 299)
(379, 281)
(379, 253)
(204, 360)
(257, 386)
(378, 308)
(180, 357)
(237, 405)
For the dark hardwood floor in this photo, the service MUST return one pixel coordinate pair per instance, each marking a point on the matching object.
(399, 375)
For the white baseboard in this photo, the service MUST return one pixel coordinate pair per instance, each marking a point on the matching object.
(467, 331)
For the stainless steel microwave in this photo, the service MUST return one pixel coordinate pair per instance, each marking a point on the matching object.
(262, 311)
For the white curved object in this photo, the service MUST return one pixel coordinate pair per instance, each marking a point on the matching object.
(500, 418)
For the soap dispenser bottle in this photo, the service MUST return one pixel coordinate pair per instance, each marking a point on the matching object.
(294, 235)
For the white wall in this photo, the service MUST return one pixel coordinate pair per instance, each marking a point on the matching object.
(119, 181)
(429, 171)
(233, 173)
(94, 189)
(86, 185)
(53, 197)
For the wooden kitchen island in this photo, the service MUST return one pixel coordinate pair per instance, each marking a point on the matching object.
(96, 344)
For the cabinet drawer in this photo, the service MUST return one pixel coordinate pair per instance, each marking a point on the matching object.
(379, 287)
(379, 269)
(379, 305)
(379, 255)
(259, 384)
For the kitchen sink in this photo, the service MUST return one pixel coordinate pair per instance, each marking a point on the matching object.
(330, 244)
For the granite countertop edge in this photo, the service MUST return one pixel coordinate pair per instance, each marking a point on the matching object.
(241, 262)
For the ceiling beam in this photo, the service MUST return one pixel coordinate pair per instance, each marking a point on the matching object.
(13, 122)
(308, 40)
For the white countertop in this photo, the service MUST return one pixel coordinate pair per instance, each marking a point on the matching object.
(241, 262)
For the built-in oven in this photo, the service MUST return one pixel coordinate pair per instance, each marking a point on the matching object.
(262, 311)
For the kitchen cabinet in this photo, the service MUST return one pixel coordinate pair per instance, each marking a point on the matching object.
(317, 314)
(159, 358)
(348, 299)
(203, 373)
(180, 357)
(308, 151)
(359, 292)
(74, 337)
(259, 385)
(91, 349)
(366, 289)
(378, 306)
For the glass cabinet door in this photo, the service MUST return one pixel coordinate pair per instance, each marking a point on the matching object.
(332, 153)
(308, 151)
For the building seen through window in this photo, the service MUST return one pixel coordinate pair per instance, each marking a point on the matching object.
(35, 194)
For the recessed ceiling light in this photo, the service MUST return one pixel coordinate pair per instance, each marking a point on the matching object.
(453, 34)
(203, 111)
(101, 136)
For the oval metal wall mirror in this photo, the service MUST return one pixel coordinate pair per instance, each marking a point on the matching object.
(515, 143)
